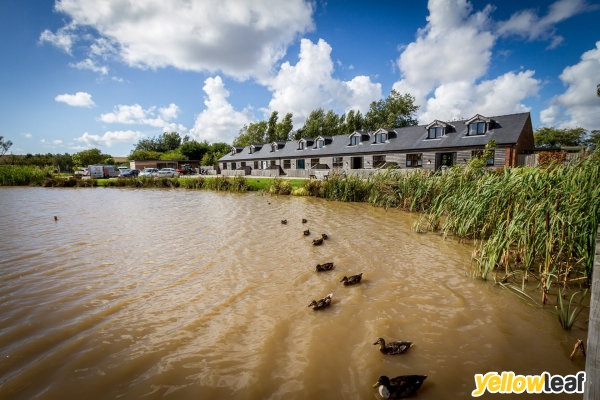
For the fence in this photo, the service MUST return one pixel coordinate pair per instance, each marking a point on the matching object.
(592, 361)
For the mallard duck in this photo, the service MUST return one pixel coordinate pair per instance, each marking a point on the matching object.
(324, 302)
(399, 387)
(55, 218)
(307, 232)
(317, 242)
(324, 236)
(304, 221)
(352, 279)
(284, 221)
(393, 347)
(324, 267)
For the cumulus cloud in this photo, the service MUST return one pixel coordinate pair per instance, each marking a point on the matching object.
(27, 135)
(444, 66)
(91, 65)
(79, 99)
(63, 38)
(529, 25)
(241, 38)
(309, 84)
(219, 122)
(579, 104)
(110, 138)
(135, 114)
(57, 141)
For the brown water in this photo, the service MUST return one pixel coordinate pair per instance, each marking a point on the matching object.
(202, 295)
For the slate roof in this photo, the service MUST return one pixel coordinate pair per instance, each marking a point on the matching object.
(505, 131)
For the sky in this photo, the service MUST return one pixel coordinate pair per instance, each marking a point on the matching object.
(79, 74)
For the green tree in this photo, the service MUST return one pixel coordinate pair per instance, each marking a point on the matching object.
(254, 133)
(208, 159)
(354, 122)
(313, 124)
(554, 137)
(284, 128)
(396, 111)
(173, 155)
(594, 139)
(193, 150)
(169, 141)
(109, 161)
(4, 145)
(89, 157)
(142, 155)
(271, 134)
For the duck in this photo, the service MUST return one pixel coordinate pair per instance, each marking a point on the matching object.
(352, 279)
(393, 347)
(304, 221)
(324, 267)
(399, 387)
(55, 218)
(307, 232)
(320, 304)
(324, 236)
(284, 221)
(317, 242)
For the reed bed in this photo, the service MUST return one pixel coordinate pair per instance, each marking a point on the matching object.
(23, 175)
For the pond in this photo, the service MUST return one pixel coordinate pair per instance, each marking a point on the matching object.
(195, 294)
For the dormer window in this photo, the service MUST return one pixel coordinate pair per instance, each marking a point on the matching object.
(301, 145)
(233, 151)
(354, 140)
(251, 150)
(477, 128)
(380, 137)
(273, 147)
(435, 132)
(320, 143)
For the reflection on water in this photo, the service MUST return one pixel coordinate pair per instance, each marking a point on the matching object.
(185, 294)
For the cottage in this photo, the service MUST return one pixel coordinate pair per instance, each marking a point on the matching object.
(429, 147)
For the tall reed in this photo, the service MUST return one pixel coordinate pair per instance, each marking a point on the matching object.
(22, 175)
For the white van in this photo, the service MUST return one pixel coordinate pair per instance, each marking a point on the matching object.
(103, 171)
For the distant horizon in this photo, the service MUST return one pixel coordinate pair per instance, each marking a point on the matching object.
(82, 74)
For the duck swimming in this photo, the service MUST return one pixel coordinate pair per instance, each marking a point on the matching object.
(307, 232)
(324, 267)
(352, 279)
(399, 387)
(317, 242)
(393, 347)
(284, 221)
(320, 304)
(304, 221)
(324, 236)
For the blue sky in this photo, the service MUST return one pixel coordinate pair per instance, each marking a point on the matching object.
(78, 74)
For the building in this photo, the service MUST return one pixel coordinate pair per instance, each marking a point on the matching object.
(429, 147)
(141, 164)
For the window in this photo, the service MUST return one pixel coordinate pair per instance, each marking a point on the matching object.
(435, 133)
(251, 150)
(414, 160)
(224, 165)
(380, 137)
(478, 153)
(255, 164)
(301, 147)
(233, 165)
(338, 162)
(273, 147)
(287, 164)
(300, 164)
(354, 140)
(378, 161)
(477, 128)
(242, 164)
(313, 162)
(320, 143)
(273, 163)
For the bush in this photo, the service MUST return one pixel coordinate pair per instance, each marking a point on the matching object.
(21, 175)
(280, 187)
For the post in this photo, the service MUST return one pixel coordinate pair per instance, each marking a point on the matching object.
(592, 362)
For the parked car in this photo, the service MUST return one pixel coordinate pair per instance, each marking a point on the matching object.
(81, 172)
(129, 173)
(167, 173)
(148, 172)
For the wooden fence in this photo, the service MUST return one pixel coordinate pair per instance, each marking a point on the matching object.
(592, 362)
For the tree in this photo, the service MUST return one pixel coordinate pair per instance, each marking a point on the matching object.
(396, 111)
(109, 161)
(354, 122)
(554, 137)
(4, 145)
(594, 139)
(193, 150)
(271, 134)
(89, 157)
(254, 133)
(165, 142)
(331, 124)
(141, 155)
(285, 127)
(313, 124)
(173, 155)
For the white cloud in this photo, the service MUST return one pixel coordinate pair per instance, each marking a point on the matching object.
(57, 141)
(135, 114)
(219, 122)
(27, 135)
(527, 24)
(43, 141)
(63, 38)
(110, 138)
(309, 85)
(241, 38)
(116, 79)
(444, 66)
(89, 64)
(579, 104)
(79, 99)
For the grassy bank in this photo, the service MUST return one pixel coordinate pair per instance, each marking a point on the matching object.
(23, 175)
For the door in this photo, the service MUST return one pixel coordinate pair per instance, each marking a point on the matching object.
(357, 162)
(445, 160)
(300, 164)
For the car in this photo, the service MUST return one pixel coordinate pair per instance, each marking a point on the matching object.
(129, 173)
(167, 173)
(81, 172)
(148, 172)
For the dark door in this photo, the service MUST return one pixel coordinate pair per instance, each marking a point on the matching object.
(445, 160)
(357, 162)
